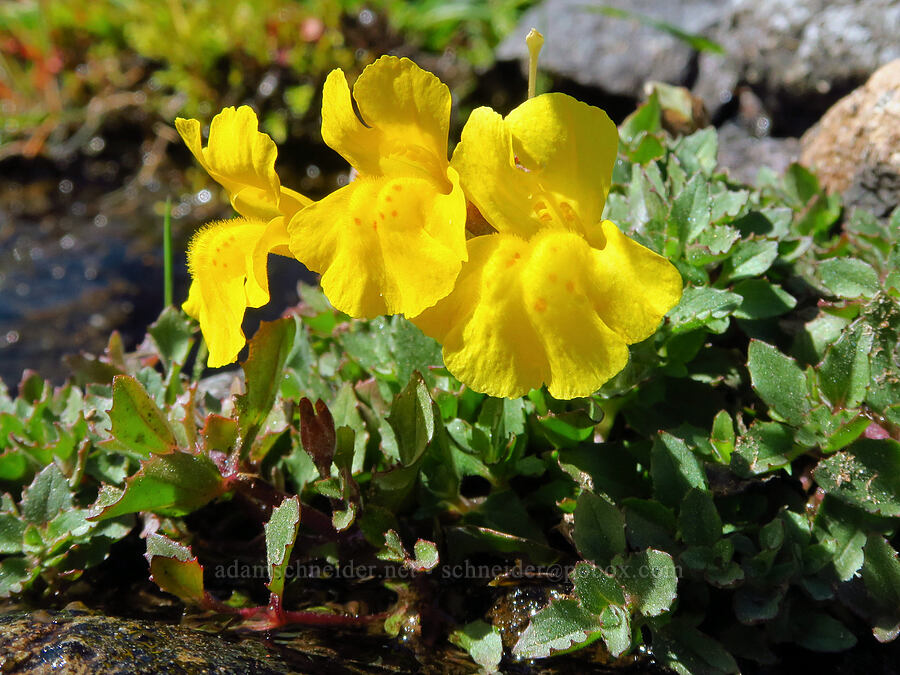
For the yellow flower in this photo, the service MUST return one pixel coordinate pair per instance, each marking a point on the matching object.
(393, 240)
(557, 294)
(228, 259)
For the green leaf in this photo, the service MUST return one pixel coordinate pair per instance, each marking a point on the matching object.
(483, 643)
(412, 418)
(690, 213)
(647, 118)
(12, 532)
(675, 469)
(170, 485)
(650, 581)
(175, 569)
(281, 532)
(263, 370)
(844, 373)
(779, 382)
(599, 528)
(700, 306)
(426, 555)
(595, 589)
(749, 258)
(866, 474)
(616, 629)
(688, 651)
(883, 315)
(698, 152)
(721, 436)
(47, 496)
(881, 575)
(820, 632)
(172, 335)
(137, 422)
(765, 447)
(15, 574)
(848, 277)
(648, 524)
(762, 300)
(561, 626)
(699, 520)
(800, 185)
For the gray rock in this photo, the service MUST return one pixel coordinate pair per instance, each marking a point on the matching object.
(615, 54)
(800, 56)
(744, 154)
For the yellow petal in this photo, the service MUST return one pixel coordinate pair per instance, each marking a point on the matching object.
(487, 170)
(547, 164)
(384, 245)
(227, 261)
(527, 313)
(242, 159)
(405, 115)
(569, 147)
(638, 285)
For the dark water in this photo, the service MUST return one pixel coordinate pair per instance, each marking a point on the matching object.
(81, 256)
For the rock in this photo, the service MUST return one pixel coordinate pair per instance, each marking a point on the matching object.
(615, 54)
(855, 147)
(72, 642)
(744, 154)
(799, 56)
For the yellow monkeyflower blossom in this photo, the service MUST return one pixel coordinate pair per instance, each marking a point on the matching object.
(557, 294)
(393, 240)
(228, 259)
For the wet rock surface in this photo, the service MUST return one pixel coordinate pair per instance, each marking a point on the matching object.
(855, 148)
(76, 642)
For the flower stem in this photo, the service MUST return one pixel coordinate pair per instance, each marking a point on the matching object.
(167, 253)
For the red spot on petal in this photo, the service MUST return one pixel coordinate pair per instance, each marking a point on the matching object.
(540, 304)
(389, 198)
(394, 213)
(397, 187)
(357, 221)
(552, 276)
(381, 215)
(570, 287)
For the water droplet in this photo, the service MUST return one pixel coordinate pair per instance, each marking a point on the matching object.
(66, 186)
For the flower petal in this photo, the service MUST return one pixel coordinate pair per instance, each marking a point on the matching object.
(405, 115)
(551, 310)
(242, 159)
(487, 170)
(384, 245)
(570, 147)
(633, 286)
(547, 164)
(521, 316)
(227, 261)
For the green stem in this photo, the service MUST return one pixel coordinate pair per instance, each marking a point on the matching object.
(167, 253)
